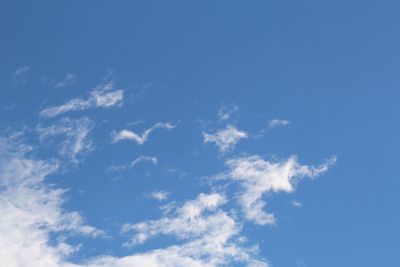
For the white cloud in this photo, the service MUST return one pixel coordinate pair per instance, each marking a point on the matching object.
(210, 236)
(69, 79)
(140, 139)
(142, 158)
(258, 176)
(194, 254)
(31, 211)
(19, 75)
(272, 124)
(276, 122)
(136, 122)
(75, 134)
(207, 235)
(117, 168)
(21, 70)
(159, 195)
(297, 204)
(182, 224)
(103, 96)
(225, 139)
(225, 112)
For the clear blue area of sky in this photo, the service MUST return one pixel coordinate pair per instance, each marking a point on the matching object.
(330, 67)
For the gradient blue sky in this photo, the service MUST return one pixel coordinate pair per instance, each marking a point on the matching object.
(328, 68)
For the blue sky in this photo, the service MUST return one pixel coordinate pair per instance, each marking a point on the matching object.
(199, 133)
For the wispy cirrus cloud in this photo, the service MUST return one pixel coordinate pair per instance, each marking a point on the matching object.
(297, 204)
(207, 234)
(74, 133)
(277, 122)
(140, 138)
(68, 80)
(19, 76)
(202, 253)
(32, 211)
(258, 177)
(225, 139)
(152, 160)
(210, 236)
(138, 160)
(270, 125)
(159, 195)
(21, 70)
(181, 224)
(206, 231)
(226, 111)
(103, 96)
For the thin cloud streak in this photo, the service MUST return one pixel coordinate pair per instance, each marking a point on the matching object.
(277, 122)
(19, 76)
(140, 139)
(103, 96)
(21, 70)
(140, 159)
(69, 79)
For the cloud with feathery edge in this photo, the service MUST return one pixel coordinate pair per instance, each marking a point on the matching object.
(257, 176)
(103, 96)
(226, 139)
(75, 133)
(140, 138)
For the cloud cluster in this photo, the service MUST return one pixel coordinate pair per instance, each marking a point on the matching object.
(210, 236)
(103, 96)
(207, 234)
(32, 213)
(206, 231)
